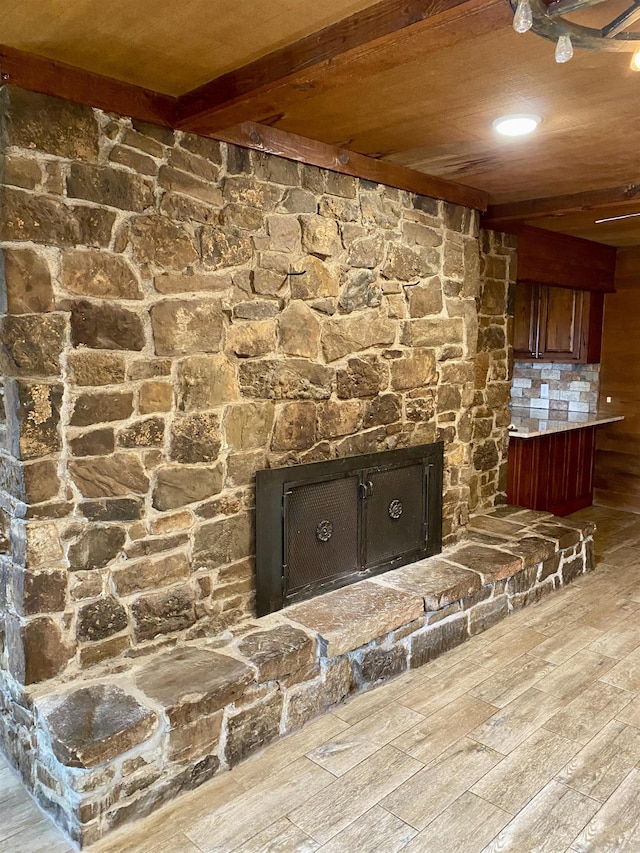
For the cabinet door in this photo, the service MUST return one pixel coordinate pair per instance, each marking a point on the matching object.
(561, 326)
(525, 321)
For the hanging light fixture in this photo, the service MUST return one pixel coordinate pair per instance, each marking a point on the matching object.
(552, 21)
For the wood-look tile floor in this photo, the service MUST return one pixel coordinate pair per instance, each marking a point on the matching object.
(524, 739)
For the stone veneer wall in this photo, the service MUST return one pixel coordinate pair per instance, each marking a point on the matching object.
(569, 387)
(156, 352)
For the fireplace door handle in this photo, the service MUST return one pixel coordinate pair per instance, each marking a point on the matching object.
(366, 490)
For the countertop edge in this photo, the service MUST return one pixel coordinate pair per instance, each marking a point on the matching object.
(568, 427)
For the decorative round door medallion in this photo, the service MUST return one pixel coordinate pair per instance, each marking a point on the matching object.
(395, 509)
(324, 531)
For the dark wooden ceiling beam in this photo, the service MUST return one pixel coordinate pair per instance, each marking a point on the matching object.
(294, 147)
(383, 36)
(538, 208)
(39, 74)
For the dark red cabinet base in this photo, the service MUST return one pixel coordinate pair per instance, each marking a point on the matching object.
(552, 472)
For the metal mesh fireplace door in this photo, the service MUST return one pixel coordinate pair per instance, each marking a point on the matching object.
(327, 524)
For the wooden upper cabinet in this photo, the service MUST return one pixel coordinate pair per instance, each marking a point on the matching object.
(556, 324)
(561, 329)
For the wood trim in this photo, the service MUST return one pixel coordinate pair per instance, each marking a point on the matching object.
(561, 260)
(384, 35)
(293, 147)
(38, 74)
(499, 216)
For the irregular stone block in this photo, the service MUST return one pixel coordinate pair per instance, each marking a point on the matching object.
(278, 653)
(101, 619)
(28, 282)
(532, 549)
(249, 340)
(110, 187)
(252, 728)
(39, 592)
(116, 509)
(565, 537)
(97, 408)
(425, 299)
(164, 612)
(158, 241)
(95, 724)
(319, 236)
(433, 332)
(490, 563)
(196, 739)
(416, 371)
(150, 574)
(51, 125)
(96, 368)
(182, 327)
(100, 274)
(224, 541)
(155, 397)
(105, 327)
(41, 481)
(307, 700)
(39, 219)
(185, 183)
(438, 582)
(98, 442)
(191, 683)
(346, 335)
(507, 528)
(571, 569)
(181, 485)
(96, 547)
(379, 610)
(256, 309)
(33, 415)
(362, 377)
(485, 456)
(380, 665)
(319, 281)
(225, 247)
(36, 650)
(430, 644)
(109, 476)
(146, 433)
(248, 425)
(337, 418)
(366, 252)
(299, 331)
(291, 378)
(206, 381)
(295, 427)
(486, 614)
(361, 290)
(383, 409)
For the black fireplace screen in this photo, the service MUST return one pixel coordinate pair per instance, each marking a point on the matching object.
(327, 524)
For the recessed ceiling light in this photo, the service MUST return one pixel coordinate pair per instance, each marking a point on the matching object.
(516, 125)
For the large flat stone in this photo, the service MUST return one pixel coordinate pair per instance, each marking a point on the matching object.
(491, 564)
(553, 529)
(190, 682)
(95, 724)
(438, 582)
(279, 652)
(349, 618)
(508, 528)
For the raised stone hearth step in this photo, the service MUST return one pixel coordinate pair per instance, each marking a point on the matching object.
(351, 617)
(95, 724)
(107, 754)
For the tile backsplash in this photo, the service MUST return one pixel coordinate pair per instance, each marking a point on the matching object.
(563, 387)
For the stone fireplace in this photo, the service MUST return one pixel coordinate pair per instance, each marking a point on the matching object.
(325, 525)
(179, 314)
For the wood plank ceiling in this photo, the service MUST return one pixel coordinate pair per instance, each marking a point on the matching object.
(414, 84)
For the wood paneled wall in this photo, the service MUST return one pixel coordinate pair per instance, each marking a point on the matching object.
(617, 467)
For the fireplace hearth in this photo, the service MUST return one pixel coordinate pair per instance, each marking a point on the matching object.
(328, 524)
